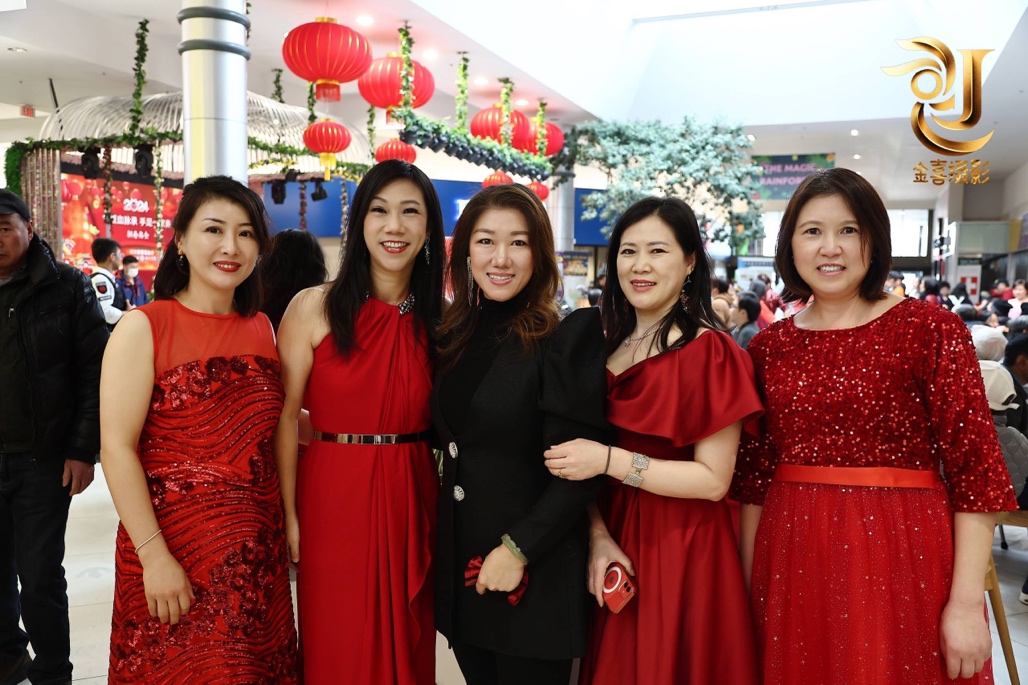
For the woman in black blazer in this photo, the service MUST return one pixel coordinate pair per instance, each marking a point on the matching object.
(512, 381)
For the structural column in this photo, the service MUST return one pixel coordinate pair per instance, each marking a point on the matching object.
(563, 216)
(214, 98)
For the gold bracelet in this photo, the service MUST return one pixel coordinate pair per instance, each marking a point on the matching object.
(514, 549)
(140, 546)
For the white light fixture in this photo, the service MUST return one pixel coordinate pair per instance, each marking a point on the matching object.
(430, 54)
(751, 137)
(854, 132)
(365, 20)
(17, 50)
(521, 103)
(856, 156)
(481, 81)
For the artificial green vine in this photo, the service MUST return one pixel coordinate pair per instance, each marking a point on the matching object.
(506, 106)
(12, 167)
(311, 101)
(158, 187)
(276, 94)
(303, 205)
(540, 129)
(344, 202)
(407, 73)
(371, 130)
(108, 172)
(461, 99)
(140, 77)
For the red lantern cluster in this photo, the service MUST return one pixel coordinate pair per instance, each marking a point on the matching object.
(497, 178)
(540, 190)
(327, 138)
(328, 54)
(396, 149)
(554, 139)
(489, 122)
(380, 84)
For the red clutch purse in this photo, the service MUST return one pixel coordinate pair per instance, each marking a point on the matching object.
(471, 578)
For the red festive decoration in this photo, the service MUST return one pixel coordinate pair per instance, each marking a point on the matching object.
(327, 138)
(540, 189)
(380, 84)
(326, 53)
(396, 149)
(488, 122)
(554, 139)
(497, 178)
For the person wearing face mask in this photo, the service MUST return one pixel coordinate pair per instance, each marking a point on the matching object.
(131, 284)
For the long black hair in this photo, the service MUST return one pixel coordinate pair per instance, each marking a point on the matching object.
(173, 276)
(296, 262)
(618, 313)
(350, 289)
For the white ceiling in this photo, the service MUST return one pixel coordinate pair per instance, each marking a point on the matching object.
(797, 77)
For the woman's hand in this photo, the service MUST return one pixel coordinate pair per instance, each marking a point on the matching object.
(169, 593)
(577, 459)
(964, 638)
(293, 538)
(603, 551)
(501, 572)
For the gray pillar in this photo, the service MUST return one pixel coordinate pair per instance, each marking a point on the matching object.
(563, 218)
(214, 56)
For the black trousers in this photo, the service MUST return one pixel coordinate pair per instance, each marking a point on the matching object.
(485, 667)
(33, 517)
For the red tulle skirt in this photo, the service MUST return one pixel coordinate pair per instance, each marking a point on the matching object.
(849, 584)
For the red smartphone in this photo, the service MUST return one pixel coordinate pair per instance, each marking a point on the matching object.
(618, 587)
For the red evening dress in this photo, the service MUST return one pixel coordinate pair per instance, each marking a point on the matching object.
(367, 512)
(689, 623)
(206, 448)
(849, 581)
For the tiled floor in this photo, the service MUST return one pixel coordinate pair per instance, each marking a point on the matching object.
(90, 569)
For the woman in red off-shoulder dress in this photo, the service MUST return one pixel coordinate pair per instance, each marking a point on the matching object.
(868, 564)
(679, 394)
(190, 396)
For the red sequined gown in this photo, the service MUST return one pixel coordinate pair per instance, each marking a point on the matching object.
(690, 622)
(367, 512)
(849, 582)
(206, 449)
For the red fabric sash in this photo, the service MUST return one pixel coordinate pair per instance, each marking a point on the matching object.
(872, 476)
(471, 578)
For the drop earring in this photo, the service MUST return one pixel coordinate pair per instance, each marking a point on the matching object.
(183, 263)
(427, 253)
(471, 285)
(683, 297)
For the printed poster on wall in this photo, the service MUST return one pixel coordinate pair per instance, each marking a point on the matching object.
(782, 174)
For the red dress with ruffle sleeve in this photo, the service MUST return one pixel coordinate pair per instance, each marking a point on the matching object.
(690, 622)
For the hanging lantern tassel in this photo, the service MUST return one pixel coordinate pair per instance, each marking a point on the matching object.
(327, 138)
(328, 163)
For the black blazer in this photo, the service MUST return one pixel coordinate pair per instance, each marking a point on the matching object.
(495, 481)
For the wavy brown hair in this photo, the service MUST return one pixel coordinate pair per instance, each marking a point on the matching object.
(539, 317)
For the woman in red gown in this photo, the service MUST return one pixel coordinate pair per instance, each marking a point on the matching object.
(861, 570)
(189, 400)
(360, 504)
(680, 391)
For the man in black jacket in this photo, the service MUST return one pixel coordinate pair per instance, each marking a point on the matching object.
(52, 338)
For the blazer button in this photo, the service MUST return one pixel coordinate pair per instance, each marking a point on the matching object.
(452, 447)
(458, 493)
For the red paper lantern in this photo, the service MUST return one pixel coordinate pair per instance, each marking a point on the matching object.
(380, 84)
(554, 139)
(327, 138)
(396, 149)
(488, 122)
(497, 178)
(540, 189)
(326, 53)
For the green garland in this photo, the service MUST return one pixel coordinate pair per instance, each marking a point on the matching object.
(158, 188)
(303, 205)
(108, 172)
(407, 73)
(311, 101)
(540, 129)
(344, 202)
(461, 99)
(506, 106)
(276, 94)
(140, 77)
(371, 131)
(12, 167)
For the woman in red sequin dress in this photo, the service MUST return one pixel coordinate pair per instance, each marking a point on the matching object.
(189, 399)
(868, 564)
(360, 504)
(679, 393)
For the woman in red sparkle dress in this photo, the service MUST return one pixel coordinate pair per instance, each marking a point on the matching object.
(189, 399)
(360, 503)
(679, 392)
(868, 564)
